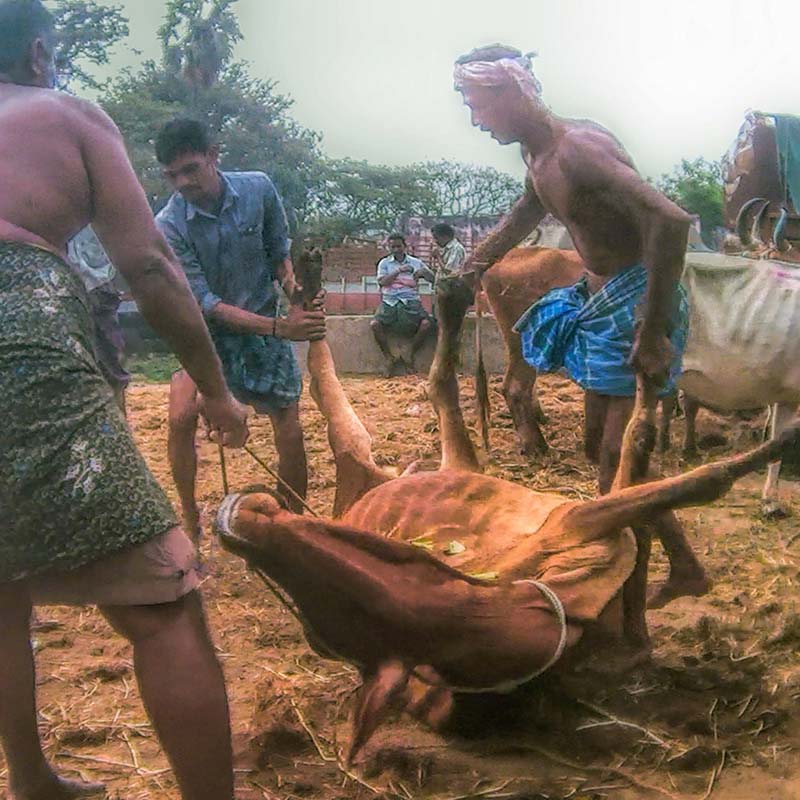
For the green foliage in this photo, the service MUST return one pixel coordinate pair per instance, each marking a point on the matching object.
(156, 368)
(87, 32)
(355, 197)
(197, 77)
(468, 190)
(696, 186)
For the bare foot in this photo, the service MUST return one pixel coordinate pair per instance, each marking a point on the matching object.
(678, 586)
(54, 788)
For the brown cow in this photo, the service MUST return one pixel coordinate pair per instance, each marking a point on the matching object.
(512, 285)
(366, 595)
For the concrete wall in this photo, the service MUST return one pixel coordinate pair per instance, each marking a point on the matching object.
(350, 338)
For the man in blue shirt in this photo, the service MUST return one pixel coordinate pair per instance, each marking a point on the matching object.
(229, 232)
(401, 311)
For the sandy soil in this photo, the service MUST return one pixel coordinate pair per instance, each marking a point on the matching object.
(711, 716)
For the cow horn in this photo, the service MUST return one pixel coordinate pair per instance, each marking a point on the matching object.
(741, 219)
(758, 222)
(779, 233)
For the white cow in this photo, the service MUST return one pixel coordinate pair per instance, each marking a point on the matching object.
(743, 350)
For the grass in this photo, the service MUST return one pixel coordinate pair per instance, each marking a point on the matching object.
(155, 368)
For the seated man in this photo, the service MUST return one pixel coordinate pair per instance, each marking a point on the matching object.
(401, 311)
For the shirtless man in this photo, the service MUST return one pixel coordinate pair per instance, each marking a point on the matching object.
(83, 520)
(631, 238)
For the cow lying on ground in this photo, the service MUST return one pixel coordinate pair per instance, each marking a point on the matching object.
(408, 620)
(742, 351)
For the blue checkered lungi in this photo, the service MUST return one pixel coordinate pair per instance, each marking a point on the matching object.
(591, 335)
(262, 368)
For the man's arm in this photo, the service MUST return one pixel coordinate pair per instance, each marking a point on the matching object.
(299, 325)
(424, 271)
(386, 276)
(524, 216)
(125, 226)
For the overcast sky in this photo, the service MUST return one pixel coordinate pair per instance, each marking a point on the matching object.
(671, 79)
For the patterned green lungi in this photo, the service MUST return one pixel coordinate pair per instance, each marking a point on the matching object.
(73, 486)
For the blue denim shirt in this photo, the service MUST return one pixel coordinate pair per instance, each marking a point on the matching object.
(231, 257)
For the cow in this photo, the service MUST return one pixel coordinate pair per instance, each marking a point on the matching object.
(422, 631)
(740, 353)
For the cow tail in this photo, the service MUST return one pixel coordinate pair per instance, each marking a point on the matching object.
(482, 400)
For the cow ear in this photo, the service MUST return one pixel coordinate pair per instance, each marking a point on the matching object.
(373, 702)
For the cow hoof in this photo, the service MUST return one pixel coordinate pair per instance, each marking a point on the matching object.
(773, 510)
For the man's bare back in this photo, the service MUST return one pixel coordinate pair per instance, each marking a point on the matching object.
(46, 194)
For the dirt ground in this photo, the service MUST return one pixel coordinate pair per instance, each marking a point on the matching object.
(711, 716)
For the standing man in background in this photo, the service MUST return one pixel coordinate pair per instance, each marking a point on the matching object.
(451, 255)
(230, 233)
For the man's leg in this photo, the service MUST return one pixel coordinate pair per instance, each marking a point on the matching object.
(379, 332)
(595, 407)
(421, 336)
(183, 414)
(289, 443)
(29, 775)
(183, 691)
(686, 574)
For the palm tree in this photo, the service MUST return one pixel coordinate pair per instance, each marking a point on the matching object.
(197, 38)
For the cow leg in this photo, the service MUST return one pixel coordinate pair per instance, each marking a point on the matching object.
(356, 471)
(453, 299)
(668, 405)
(690, 408)
(780, 417)
(373, 703)
(637, 504)
(519, 387)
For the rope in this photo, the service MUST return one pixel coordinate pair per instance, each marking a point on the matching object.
(281, 482)
(558, 607)
(224, 469)
(263, 464)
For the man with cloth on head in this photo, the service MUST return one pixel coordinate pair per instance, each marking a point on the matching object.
(84, 522)
(629, 313)
(230, 233)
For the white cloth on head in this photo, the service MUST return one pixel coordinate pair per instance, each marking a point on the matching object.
(498, 73)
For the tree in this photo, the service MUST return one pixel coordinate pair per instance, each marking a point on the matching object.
(696, 186)
(198, 77)
(87, 32)
(355, 197)
(468, 190)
